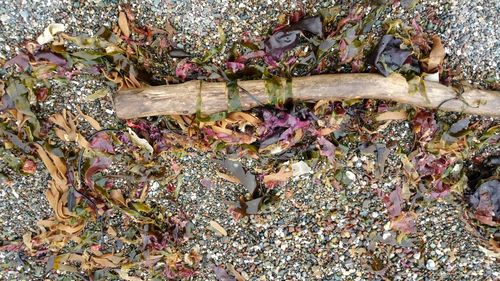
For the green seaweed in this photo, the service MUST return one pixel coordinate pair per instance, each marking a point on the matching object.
(274, 89)
(233, 96)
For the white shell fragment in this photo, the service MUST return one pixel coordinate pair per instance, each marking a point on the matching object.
(300, 168)
(49, 32)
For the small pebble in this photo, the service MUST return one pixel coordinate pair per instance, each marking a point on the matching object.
(430, 265)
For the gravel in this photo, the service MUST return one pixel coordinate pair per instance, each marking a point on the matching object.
(318, 231)
(473, 38)
(470, 29)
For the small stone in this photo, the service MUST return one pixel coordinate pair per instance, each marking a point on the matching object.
(387, 226)
(386, 235)
(430, 265)
(350, 175)
(4, 18)
(316, 271)
(416, 256)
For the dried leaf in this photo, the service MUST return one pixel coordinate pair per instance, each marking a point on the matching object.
(436, 56)
(123, 273)
(67, 128)
(393, 202)
(111, 231)
(228, 135)
(281, 176)
(123, 24)
(489, 253)
(56, 195)
(218, 228)
(117, 196)
(221, 274)
(27, 241)
(234, 272)
(170, 30)
(243, 119)
(89, 119)
(229, 178)
(107, 260)
(392, 115)
(54, 165)
(101, 93)
(405, 222)
(29, 167)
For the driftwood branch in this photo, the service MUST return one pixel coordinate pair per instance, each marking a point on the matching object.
(212, 97)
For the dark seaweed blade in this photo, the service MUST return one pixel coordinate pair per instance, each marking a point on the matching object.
(382, 153)
(50, 57)
(178, 53)
(382, 44)
(486, 199)
(22, 60)
(221, 274)
(6, 103)
(388, 56)
(311, 25)
(459, 126)
(245, 208)
(252, 206)
(286, 39)
(281, 42)
(247, 179)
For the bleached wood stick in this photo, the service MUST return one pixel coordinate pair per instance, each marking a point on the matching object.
(212, 97)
